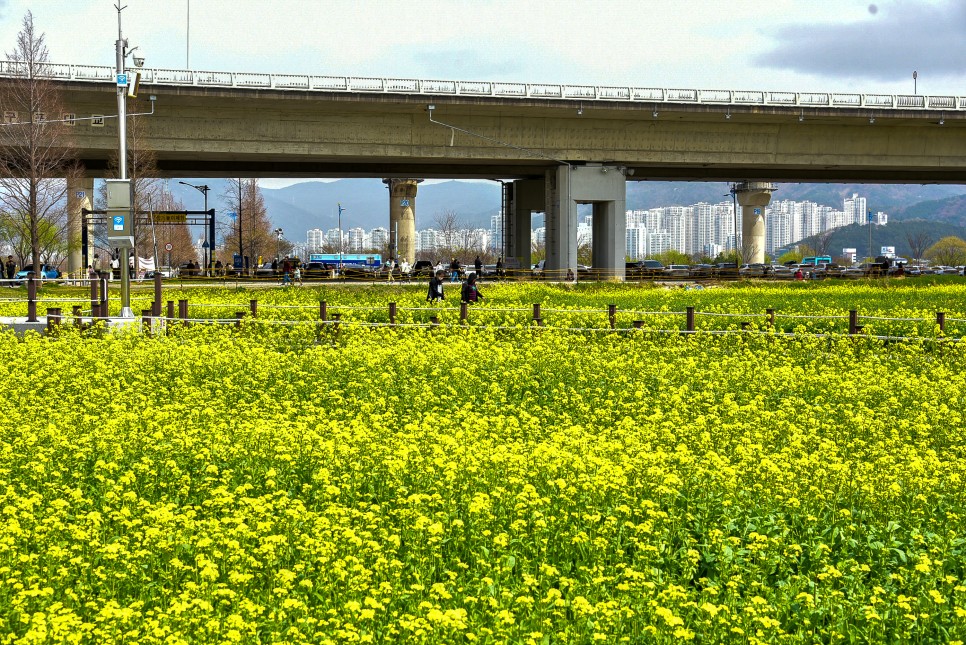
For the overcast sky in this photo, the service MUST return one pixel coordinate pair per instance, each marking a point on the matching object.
(793, 45)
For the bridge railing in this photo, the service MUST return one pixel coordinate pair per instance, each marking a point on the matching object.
(431, 87)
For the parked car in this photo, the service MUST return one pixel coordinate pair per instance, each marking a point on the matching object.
(49, 272)
(703, 271)
(265, 271)
(166, 272)
(422, 269)
(677, 271)
(643, 269)
(317, 271)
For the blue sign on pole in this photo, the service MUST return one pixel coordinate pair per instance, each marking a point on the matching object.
(870, 216)
(118, 222)
(122, 80)
(757, 211)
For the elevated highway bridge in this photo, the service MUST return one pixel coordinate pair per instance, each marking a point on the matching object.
(562, 144)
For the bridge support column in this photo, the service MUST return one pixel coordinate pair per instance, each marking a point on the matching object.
(603, 186)
(528, 196)
(402, 218)
(80, 194)
(753, 196)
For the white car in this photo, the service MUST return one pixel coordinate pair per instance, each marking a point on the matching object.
(678, 270)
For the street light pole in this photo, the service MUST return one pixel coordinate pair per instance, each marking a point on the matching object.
(121, 53)
(340, 236)
(203, 189)
(278, 242)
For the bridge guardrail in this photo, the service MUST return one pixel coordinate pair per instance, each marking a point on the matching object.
(247, 80)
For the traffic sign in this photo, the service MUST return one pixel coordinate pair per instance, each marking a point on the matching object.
(122, 80)
(168, 246)
(205, 245)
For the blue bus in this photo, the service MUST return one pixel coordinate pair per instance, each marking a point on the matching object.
(817, 260)
(372, 261)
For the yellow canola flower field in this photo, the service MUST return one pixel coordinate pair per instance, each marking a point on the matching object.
(288, 484)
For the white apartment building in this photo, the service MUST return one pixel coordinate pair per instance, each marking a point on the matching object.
(855, 209)
(379, 238)
(636, 242)
(314, 240)
(496, 233)
(358, 240)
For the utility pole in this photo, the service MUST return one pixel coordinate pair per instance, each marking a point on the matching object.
(241, 247)
(121, 53)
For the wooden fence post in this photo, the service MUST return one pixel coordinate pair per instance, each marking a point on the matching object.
(689, 319)
(612, 315)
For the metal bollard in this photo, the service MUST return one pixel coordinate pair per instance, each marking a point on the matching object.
(689, 320)
(253, 306)
(95, 299)
(31, 298)
(156, 305)
(612, 315)
(105, 310)
(392, 313)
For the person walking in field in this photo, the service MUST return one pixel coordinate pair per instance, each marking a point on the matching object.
(390, 267)
(297, 275)
(454, 267)
(10, 267)
(478, 265)
(470, 292)
(436, 287)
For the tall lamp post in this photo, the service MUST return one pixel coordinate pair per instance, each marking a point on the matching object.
(340, 237)
(278, 242)
(209, 253)
(734, 214)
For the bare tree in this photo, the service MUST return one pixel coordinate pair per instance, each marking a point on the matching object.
(250, 233)
(36, 153)
(448, 223)
(823, 241)
(918, 241)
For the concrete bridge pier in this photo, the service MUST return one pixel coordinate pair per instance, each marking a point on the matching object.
(80, 194)
(526, 198)
(753, 196)
(603, 186)
(402, 218)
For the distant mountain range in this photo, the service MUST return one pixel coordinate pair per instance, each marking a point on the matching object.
(300, 207)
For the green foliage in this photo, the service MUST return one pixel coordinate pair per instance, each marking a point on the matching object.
(949, 251)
